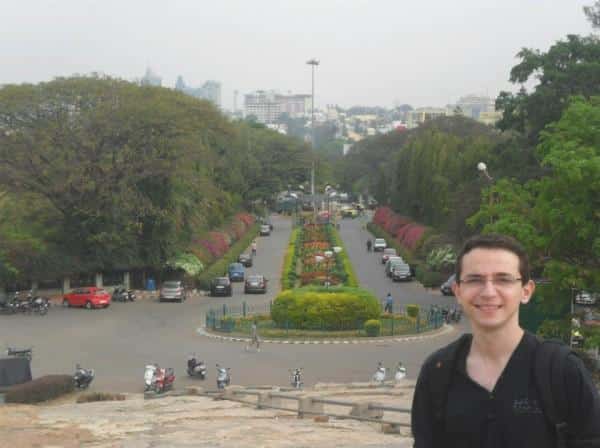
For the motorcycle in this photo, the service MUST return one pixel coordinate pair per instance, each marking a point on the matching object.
(83, 377)
(380, 373)
(38, 304)
(296, 378)
(400, 372)
(158, 379)
(20, 353)
(195, 367)
(120, 294)
(223, 377)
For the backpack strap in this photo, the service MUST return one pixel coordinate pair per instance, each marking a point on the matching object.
(549, 373)
(443, 364)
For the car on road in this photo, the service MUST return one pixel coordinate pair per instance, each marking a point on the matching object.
(265, 230)
(221, 286)
(245, 259)
(391, 262)
(401, 272)
(446, 288)
(379, 244)
(586, 298)
(172, 290)
(387, 253)
(235, 272)
(255, 283)
(89, 297)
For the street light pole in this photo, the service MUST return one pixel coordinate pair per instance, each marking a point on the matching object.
(313, 63)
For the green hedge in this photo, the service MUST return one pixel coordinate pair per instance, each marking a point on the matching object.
(41, 389)
(342, 260)
(290, 262)
(412, 310)
(316, 307)
(373, 327)
(219, 268)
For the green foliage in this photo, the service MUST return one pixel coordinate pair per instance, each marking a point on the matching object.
(189, 263)
(556, 329)
(429, 279)
(40, 389)
(219, 269)
(325, 308)
(441, 259)
(288, 274)
(344, 268)
(373, 327)
(592, 337)
(412, 310)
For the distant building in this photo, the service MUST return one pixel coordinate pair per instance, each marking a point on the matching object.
(151, 79)
(490, 118)
(423, 114)
(473, 106)
(267, 106)
(210, 90)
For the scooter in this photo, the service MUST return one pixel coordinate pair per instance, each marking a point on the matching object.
(83, 377)
(296, 379)
(38, 304)
(223, 377)
(400, 372)
(380, 373)
(20, 353)
(195, 367)
(158, 379)
(121, 294)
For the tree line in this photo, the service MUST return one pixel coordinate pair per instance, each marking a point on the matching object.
(98, 173)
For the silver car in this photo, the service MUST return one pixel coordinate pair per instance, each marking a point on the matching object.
(173, 290)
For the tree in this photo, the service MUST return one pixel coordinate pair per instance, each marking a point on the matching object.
(593, 14)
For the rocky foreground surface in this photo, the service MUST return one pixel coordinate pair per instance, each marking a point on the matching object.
(201, 421)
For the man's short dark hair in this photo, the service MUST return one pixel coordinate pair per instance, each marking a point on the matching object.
(495, 241)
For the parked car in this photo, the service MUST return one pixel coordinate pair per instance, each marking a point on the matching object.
(387, 253)
(446, 287)
(379, 244)
(246, 260)
(401, 272)
(221, 286)
(255, 283)
(586, 298)
(391, 262)
(173, 290)
(235, 272)
(265, 230)
(89, 297)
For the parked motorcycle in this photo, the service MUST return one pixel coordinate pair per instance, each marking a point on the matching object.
(120, 294)
(83, 377)
(380, 373)
(223, 377)
(20, 353)
(400, 372)
(38, 304)
(196, 367)
(158, 379)
(296, 378)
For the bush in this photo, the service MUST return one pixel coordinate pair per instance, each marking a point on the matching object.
(348, 276)
(373, 327)
(227, 323)
(41, 389)
(412, 310)
(288, 274)
(334, 308)
(99, 396)
(430, 279)
(219, 268)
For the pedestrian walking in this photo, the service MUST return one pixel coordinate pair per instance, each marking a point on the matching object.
(369, 244)
(253, 246)
(254, 337)
(501, 386)
(389, 303)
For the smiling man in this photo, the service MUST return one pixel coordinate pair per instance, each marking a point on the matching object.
(494, 388)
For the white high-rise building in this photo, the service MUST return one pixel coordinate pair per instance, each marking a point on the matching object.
(267, 106)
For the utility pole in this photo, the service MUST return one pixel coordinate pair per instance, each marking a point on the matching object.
(313, 62)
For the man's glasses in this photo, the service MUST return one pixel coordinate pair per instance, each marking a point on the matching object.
(477, 282)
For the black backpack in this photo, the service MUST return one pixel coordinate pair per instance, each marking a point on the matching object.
(550, 361)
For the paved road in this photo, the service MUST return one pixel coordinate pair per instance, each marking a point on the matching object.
(119, 341)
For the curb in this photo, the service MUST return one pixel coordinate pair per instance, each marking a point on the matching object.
(429, 335)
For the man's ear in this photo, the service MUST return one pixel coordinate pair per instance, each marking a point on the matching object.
(455, 287)
(528, 290)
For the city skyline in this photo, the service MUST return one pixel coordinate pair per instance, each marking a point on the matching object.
(372, 54)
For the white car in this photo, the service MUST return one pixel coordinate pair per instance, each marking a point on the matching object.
(265, 230)
(379, 244)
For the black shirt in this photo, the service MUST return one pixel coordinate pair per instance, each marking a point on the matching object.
(510, 416)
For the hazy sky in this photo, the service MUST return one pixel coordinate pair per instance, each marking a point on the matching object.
(375, 52)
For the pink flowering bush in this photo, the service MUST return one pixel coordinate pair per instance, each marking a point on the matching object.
(214, 244)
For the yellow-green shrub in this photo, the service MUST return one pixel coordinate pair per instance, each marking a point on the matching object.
(288, 274)
(412, 310)
(373, 327)
(333, 308)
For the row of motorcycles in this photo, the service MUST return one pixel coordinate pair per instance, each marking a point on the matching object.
(82, 377)
(30, 304)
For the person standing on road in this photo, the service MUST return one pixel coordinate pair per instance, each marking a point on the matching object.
(254, 337)
(389, 303)
(369, 244)
(253, 247)
(500, 386)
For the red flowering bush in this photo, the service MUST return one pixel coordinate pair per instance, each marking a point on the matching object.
(406, 232)
(214, 244)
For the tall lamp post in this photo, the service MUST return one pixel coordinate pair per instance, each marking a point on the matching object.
(313, 63)
(482, 167)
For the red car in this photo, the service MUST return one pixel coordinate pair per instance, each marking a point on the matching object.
(89, 297)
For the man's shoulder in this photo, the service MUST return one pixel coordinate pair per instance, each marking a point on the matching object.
(447, 355)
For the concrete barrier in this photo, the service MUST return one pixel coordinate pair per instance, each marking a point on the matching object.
(307, 407)
(364, 410)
